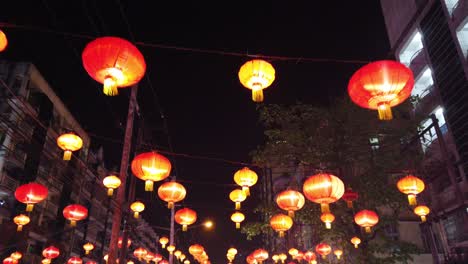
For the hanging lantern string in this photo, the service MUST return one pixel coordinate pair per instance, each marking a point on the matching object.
(194, 50)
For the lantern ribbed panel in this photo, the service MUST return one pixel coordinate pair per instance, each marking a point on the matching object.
(410, 185)
(103, 55)
(256, 73)
(323, 188)
(290, 201)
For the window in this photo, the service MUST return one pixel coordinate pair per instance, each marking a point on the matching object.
(414, 46)
(423, 83)
(462, 36)
(429, 136)
(451, 5)
(374, 142)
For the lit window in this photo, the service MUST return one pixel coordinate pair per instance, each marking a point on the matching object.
(412, 48)
(429, 136)
(451, 5)
(374, 142)
(423, 83)
(462, 36)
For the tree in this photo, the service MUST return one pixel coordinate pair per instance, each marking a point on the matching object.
(353, 144)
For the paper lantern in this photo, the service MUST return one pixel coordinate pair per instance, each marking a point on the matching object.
(75, 260)
(323, 249)
(163, 262)
(257, 75)
(114, 62)
(281, 223)
(177, 253)
(349, 197)
(171, 192)
(88, 247)
(411, 186)
(3, 41)
(111, 182)
(21, 220)
(309, 256)
(366, 219)
(119, 242)
(74, 213)
(250, 259)
(163, 241)
(151, 167)
(182, 257)
(237, 218)
(237, 196)
(51, 252)
(16, 255)
(69, 142)
(171, 249)
(149, 257)
(30, 194)
(260, 255)
(381, 85)
(290, 201)
(157, 258)
(245, 178)
(323, 188)
(293, 252)
(422, 211)
(140, 253)
(137, 207)
(327, 218)
(10, 260)
(275, 258)
(338, 253)
(355, 241)
(196, 250)
(185, 217)
(283, 257)
(299, 256)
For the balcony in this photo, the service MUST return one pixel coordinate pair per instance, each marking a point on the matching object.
(8, 183)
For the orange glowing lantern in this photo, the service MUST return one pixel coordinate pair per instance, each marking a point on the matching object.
(275, 258)
(260, 255)
(114, 62)
(422, 211)
(137, 207)
(171, 192)
(323, 188)
(163, 262)
(88, 247)
(309, 256)
(163, 241)
(196, 250)
(151, 167)
(3, 41)
(290, 201)
(381, 85)
(185, 217)
(111, 182)
(69, 142)
(349, 197)
(257, 75)
(120, 241)
(232, 251)
(171, 249)
(237, 196)
(177, 253)
(327, 218)
(75, 260)
(93, 262)
(21, 220)
(250, 259)
(157, 258)
(281, 223)
(74, 213)
(30, 194)
(10, 260)
(245, 178)
(323, 249)
(149, 257)
(131, 262)
(16, 255)
(366, 219)
(355, 241)
(299, 256)
(237, 218)
(411, 186)
(182, 257)
(51, 252)
(283, 257)
(293, 252)
(140, 253)
(338, 253)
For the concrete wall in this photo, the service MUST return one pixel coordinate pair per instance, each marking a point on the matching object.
(397, 14)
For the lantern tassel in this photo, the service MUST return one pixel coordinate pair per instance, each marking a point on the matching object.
(423, 218)
(136, 215)
(257, 95)
(325, 208)
(163, 245)
(170, 205)
(72, 223)
(385, 112)
(238, 206)
(338, 257)
(184, 228)
(110, 86)
(67, 155)
(291, 214)
(281, 233)
(20, 228)
(246, 190)
(29, 207)
(350, 204)
(412, 199)
(324, 257)
(368, 229)
(237, 225)
(328, 225)
(87, 252)
(149, 186)
(356, 245)
(110, 192)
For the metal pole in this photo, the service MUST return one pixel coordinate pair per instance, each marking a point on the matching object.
(117, 217)
(171, 236)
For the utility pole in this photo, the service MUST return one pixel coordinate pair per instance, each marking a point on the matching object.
(120, 199)
(171, 235)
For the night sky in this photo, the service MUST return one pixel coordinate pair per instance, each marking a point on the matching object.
(208, 112)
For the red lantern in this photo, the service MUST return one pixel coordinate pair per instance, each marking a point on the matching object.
(157, 258)
(260, 255)
(309, 256)
(74, 260)
(185, 217)
(10, 260)
(30, 194)
(163, 262)
(381, 85)
(74, 213)
(151, 167)
(171, 192)
(366, 219)
(114, 62)
(91, 262)
(140, 253)
(119, 242)
(290, 201)
(3, 41)
(281, 223)
(323, 188)
(323, 249)
(51, 252)
(349, 197)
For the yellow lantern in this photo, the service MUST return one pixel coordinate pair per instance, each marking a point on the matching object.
(283, 257)
(163, 241)
(237, 196)
(21, 220)
(422, 211)
(88, 247)
(281, 223)
(182, 257)
(246, 178)
(137, 207)
(69, 142)
(177, 253)
(411, 186)
(327, 218)
(293, 252)
(338, 253)
(237, 218)
(111, 182)
(275, 258)
(232, 251)
(257, 75)
(171, 249)
(356, 241)
(16, 255)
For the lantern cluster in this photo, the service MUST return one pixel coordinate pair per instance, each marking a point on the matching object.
(199, 254)
(245, 178)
